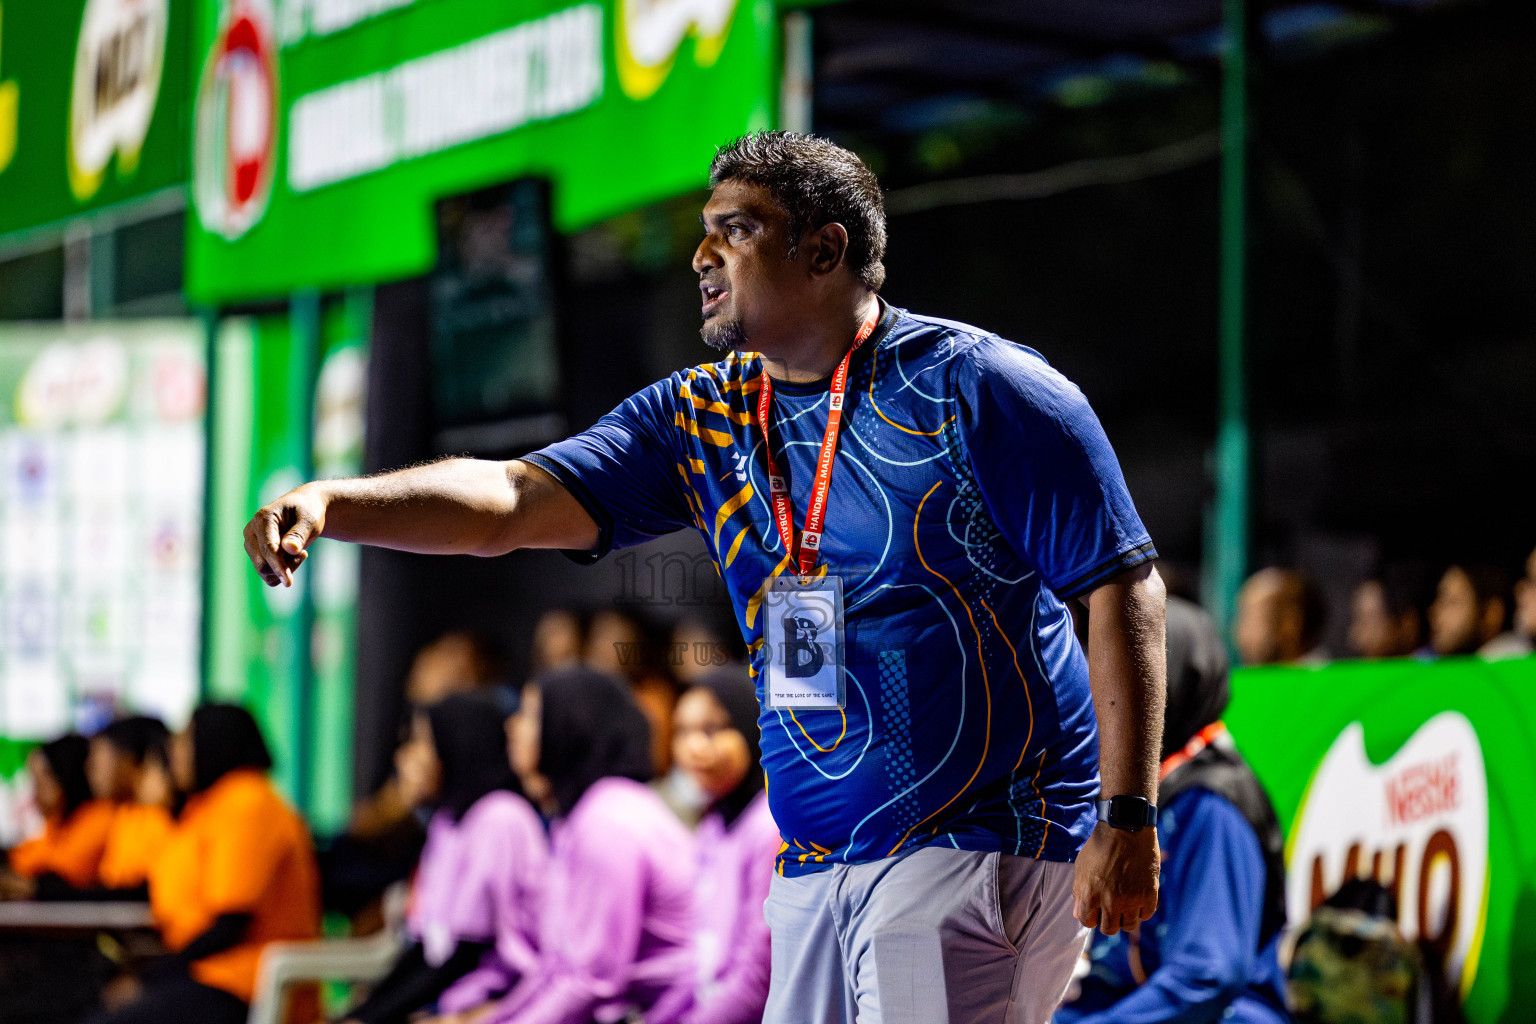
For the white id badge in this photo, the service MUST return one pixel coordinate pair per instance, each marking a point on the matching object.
(803, 634)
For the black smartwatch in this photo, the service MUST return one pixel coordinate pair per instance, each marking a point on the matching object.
(1128, 813)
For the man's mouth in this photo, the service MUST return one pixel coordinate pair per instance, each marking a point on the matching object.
(713, 295)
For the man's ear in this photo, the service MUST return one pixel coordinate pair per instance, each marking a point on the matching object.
(827, 247)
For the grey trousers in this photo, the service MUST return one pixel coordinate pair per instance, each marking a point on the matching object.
(936, 936)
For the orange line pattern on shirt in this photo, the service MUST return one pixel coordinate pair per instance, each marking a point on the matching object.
(898, 426)
(756, 600)
(985, 682)
(730, 555)
(1030, 701)
(1044, 821)
(835, 743)
(706, 405)
(718, 438)
(691, 496)
(729, 507)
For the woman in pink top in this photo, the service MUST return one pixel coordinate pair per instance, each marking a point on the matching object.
(715, 740)
(616, 915)
(472, 918)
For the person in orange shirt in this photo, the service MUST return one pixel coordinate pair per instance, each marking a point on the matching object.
(237, 872)
(127, 765)
(68, 852)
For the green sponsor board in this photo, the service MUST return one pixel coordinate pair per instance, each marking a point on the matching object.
(324, 130)
(92, 105)
(340, 397)
(1418, 775)
(288, 654)
(257, 636)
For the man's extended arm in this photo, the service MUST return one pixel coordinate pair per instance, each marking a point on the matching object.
(455, 506)
(1116, 877)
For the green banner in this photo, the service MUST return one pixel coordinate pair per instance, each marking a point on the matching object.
(258, 635)
(289, 654)
(92, 98)
(340, 401)
(324, 130)
(1418, 775)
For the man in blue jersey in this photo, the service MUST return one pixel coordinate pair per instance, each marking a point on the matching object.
(901, 509)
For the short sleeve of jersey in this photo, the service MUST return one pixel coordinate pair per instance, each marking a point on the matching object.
(1045, 468)
(624, 471)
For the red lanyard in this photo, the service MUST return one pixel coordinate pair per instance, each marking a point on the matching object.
(1202, 739)
(816, 514)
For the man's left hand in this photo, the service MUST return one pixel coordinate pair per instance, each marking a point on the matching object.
(1115, 883)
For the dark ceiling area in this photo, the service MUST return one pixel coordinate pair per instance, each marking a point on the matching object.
(906, 67)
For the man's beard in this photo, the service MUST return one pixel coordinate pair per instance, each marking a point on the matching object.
(723, 336)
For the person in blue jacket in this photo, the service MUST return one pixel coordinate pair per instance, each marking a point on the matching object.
(1209, 953)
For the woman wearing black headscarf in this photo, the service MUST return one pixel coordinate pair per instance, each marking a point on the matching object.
(716, 741)
(473, 917)
(75, 827)
(1211, 950)
(237, 872)
(616, 915)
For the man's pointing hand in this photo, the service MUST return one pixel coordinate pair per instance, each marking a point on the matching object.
(278, 536)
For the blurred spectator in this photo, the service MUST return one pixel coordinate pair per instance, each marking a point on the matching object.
(384, 838)
(1470, 608)
(112, 766)
(472, 918)
(616, 909)
(558, 639)
(1210, 952)
(237, 872)
(1520, 641)
(622, 644)
(616, 644)
(1385, 621)
(457, 662)
(141, 827)
(700, 647)
(68, 853)
(716, 742)
(120, 756)
(1280, 618)
(1350, 965)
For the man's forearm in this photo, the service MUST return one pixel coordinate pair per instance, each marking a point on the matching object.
(1127, 669)
(455, 506)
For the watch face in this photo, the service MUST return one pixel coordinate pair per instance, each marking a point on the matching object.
(1129, 812)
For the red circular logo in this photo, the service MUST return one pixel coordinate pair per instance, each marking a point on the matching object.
(235, 147)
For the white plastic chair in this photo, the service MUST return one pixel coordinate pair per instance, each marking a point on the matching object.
(284, 964)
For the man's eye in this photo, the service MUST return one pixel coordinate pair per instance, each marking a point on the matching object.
(734, 230)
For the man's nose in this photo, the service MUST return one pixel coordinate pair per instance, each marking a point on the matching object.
(705, 257)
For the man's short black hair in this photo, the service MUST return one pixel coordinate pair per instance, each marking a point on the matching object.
(816, 182)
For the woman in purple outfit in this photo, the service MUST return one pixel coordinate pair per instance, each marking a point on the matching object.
(616, 913)
(473, 909)
(715, 740)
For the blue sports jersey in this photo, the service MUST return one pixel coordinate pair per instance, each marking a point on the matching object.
(973, 492)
